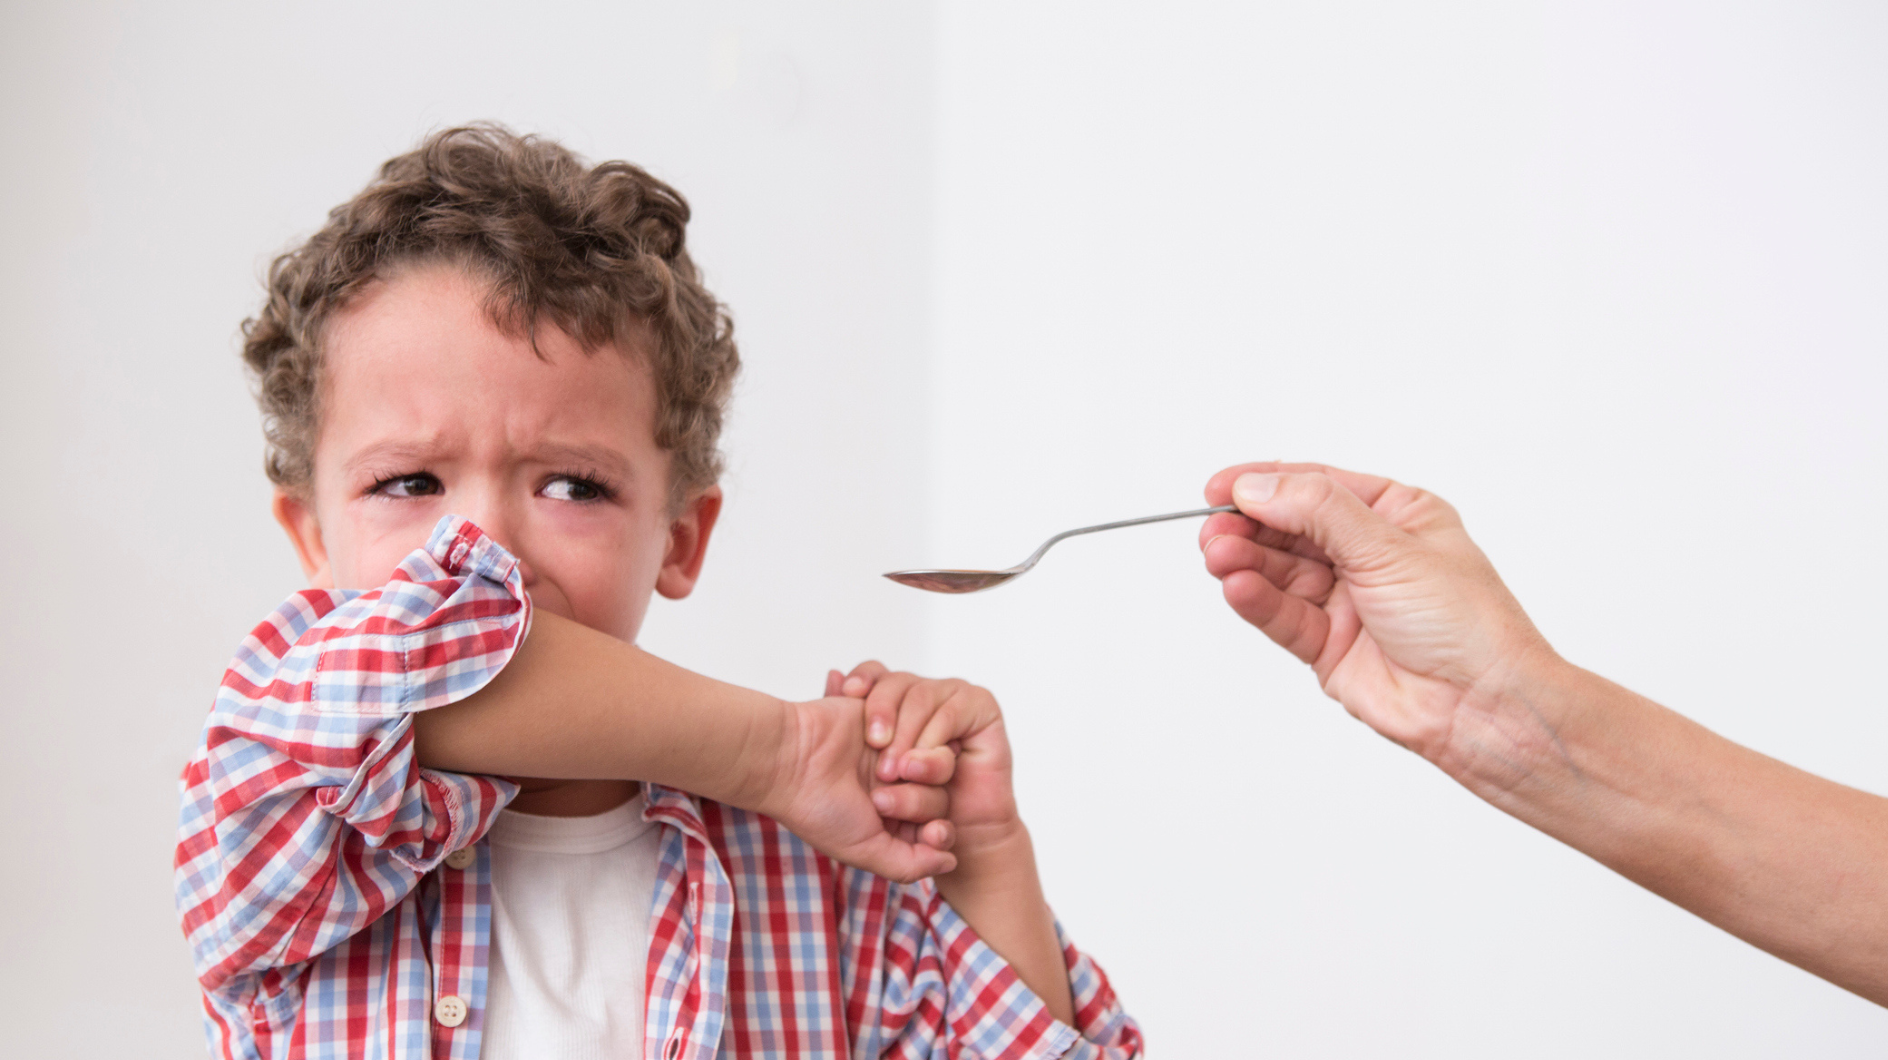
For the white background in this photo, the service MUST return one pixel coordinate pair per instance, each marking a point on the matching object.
(1613, 278)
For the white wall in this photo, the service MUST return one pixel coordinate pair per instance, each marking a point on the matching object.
(1608, 277)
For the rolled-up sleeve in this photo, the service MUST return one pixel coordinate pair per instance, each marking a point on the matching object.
(306, 815)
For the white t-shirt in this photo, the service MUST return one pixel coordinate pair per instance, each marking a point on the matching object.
(570, 934)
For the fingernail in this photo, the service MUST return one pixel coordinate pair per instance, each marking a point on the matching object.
(883, 800)
(1210, 540)
(878, 733)
(1255, 488)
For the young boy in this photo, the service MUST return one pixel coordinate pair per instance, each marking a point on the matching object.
(444, 807)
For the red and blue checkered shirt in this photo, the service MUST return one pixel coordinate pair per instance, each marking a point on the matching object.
(337, 895)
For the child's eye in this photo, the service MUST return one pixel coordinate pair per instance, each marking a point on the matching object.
(575, 488)
(423, 484)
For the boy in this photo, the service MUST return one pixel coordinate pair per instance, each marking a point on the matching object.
(451, 816)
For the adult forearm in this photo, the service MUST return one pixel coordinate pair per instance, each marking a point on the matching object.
(1790, 862)
(997, 890)
(574, 703)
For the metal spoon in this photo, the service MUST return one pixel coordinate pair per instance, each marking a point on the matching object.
(970, 581)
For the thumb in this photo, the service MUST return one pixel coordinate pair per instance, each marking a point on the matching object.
(1314, 505)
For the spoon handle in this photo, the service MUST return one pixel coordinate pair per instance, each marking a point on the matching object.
(1149, 519)
(1126, 522)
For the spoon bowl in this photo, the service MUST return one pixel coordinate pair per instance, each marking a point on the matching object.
(946, 580)
(952, 581)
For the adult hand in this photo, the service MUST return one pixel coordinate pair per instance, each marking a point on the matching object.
(1377, 586)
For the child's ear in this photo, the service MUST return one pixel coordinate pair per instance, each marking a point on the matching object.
(688, 544)
(298, 521)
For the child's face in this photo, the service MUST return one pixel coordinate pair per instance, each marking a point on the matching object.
(429, 409)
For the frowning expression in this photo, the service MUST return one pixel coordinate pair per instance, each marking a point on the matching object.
(429, 408)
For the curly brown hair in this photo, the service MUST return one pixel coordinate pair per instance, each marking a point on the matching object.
(598, 251)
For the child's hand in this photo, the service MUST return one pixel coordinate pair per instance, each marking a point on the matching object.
(951, 733)
(824, 789)
(915, 812)
(947, 732)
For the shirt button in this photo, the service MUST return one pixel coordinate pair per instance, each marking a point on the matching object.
(449, 1010)
(462, 858)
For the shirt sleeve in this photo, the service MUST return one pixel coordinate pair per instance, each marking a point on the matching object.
(947, 993)
(305, 814)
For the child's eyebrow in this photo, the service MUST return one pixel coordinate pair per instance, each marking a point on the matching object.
(381, 455)
(401, 454)
(600, 458)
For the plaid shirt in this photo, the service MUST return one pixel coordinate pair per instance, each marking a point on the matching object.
(337, 895)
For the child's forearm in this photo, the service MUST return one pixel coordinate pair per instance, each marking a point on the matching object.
(578, 704)
(996, 889)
